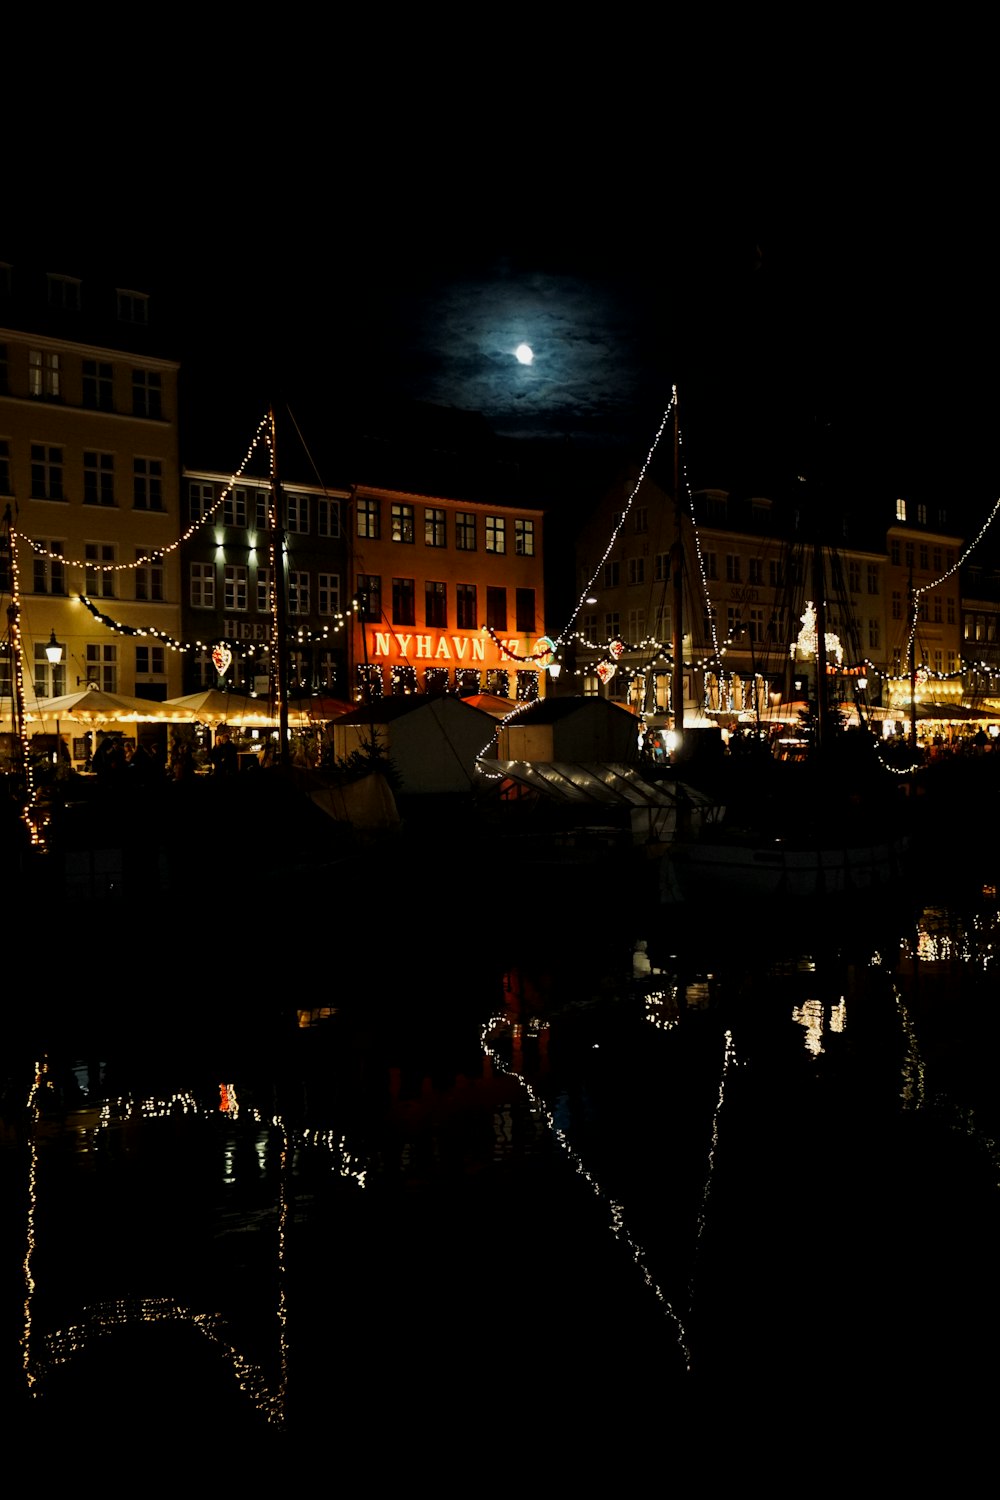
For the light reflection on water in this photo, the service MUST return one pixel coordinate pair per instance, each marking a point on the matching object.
(720, 1124)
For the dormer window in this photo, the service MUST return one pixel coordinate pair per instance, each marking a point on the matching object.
(64, 292)
(133, 307)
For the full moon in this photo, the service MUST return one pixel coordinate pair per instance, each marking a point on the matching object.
(524, 354)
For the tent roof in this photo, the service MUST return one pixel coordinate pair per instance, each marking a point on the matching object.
(608, 784)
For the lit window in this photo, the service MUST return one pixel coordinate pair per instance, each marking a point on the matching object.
(900, 510)
(496, 534)
(234, 508)
(402, 523)
(50, 678)
(369, 519)
(369, 596)
(524, 537)
(43, 374)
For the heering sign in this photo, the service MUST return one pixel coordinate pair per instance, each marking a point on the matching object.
(434, 647)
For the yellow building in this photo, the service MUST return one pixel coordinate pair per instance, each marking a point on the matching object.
(89, 483)
(448, 595)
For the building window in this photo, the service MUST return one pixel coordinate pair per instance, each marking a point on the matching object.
(298, 514)
(434, 529)
(498, 682)
(756, 625)
(661, 624)
(264, 601)
(873, 635)
(908, 554)
(147, 394)
(201, 498)
(467, 681)
(402, 523)
(5, 488)
(64, 292)
(774, 574)
(436, 605)
(148, 577)
(370, 684)
(900, 510)
(150, 661)
(636, 625)
(133, 307)
(46, 472)
(403, 679)
(938, 556)
(937, 609)
(897, 605)
(325, 674)
(465, 531)
(524, 610)
(328, 518)
(950, 615)
(612, 626)
(755, 571)
(641, 514)
(404, 601)
(298, 593)
(4, 371)
(436, 680)
(369, 596)
(527, 686)
(49, 570)
(732, 567)
(369, 519)
(98, 479)
(50, 680)
(894, 552)
(202, 586)
(44, 375)
(925, 560)
(102, 667)
(496, 608)
(873, 582)
(147, 484)
(637, 570)
(328, 587)
(711, 562)
(99, 577)
(235, 585)
(524, 537)
(921, 515)
(661, 567)
(496, 534)
(468, 610)
(234, 507)
(612, 574)
(853, 576)
(98, 385)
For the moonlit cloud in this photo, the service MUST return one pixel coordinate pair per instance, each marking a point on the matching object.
(584, 343)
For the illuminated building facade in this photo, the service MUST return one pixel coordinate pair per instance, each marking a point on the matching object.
(925, 606)
(89, 478)
(228, 564)
(448, 596)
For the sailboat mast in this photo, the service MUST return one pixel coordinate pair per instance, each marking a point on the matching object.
(819, 595)
(677, 580)
(279, 598)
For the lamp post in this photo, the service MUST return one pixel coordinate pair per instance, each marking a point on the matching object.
(54, 655)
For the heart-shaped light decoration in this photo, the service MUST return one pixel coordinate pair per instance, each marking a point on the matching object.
(222, 658)
(605, 671)
(616, 648)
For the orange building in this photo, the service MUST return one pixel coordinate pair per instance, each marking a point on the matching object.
(447, 595)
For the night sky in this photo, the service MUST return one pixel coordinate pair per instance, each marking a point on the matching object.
(810, 288)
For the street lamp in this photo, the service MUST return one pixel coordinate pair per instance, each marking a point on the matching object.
(54, 655)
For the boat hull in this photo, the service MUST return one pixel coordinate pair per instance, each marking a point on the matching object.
(756, 871)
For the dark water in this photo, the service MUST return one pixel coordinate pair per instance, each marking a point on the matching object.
(500, 1199)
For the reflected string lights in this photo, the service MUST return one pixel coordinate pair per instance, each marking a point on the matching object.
(42, 1352)
(498, 1026)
